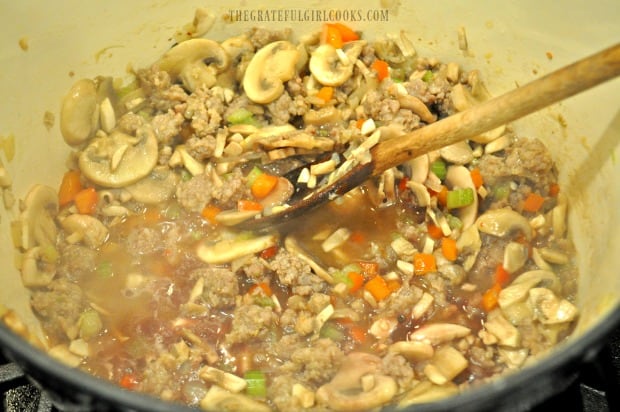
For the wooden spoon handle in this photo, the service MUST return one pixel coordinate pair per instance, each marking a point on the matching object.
(552, 88)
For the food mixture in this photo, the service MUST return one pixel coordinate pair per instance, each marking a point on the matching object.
(443, 273)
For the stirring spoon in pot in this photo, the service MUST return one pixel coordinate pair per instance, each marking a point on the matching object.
(538, 94)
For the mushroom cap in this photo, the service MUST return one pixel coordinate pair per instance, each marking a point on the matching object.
(272, 65)
(157, 187)
(332, 68)
(195, 62)
(89, 229)
(79, 112)
(37, 217)
(119, 159)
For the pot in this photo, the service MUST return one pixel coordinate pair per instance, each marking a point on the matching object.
(46, 46)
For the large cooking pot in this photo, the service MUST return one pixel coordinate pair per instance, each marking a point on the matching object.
(45, 46)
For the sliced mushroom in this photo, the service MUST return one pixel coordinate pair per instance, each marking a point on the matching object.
(417, 106)
(227, 250)
(345, 392)
(503, 222)
(382, 328)
(218, 399)
(271, 66)
(418, 168)
(436, 333)
(36, 272)
(240, 50)
(504, 331)
(292, 246)
(458, 153)
(195, 62)
(549, 309)
(38, 227)
(460, 177)
(515, 256)
(226, 380)
(79, 112)
(118, 159)
(469, 243)
(518, 290)
(447, 363)
(331, 67)
(427, 391)
(323, 116)
(157, 187)
(234, 217)
(414, 351)
(85, 228)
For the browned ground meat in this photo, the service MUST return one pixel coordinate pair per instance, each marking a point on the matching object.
(220, 286)
(199, 191)
(77, 261)
(250, 322)
(317, 363)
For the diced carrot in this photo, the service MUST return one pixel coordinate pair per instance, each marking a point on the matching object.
(476, 178)
(209, 212)
(442, 195)
(325, 93)
(346, 33)
(393, 285)
(331, 35)
(359, 123)
(262, 287)
(247, 205)
(369, 269)
(434, 231)
(357, 237)
(448, 248)
(151, 216)
(402, 184)
(357, 333)
(86, 201)
(490, 297)
(378, 288)
(533, 202)
(269, 252)
(501, 275)
(128, 381)
(424, 263)
(382, 69)
(357, 281)
(263, 185)
(554, 190)
(69, 187)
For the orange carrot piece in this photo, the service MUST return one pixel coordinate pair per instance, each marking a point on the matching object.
(369, 269)
(357, 237)
(247, 205)
(151, 216)
(434, 231)
(86, 201)
(378, 288)
(346, 33)
(533, 202)
(325, 93)
(448, 248)
(128, 381)
(393, 285)
(477, 178)
(331, 35)
(69, 187)
(262, 287)
(263, 185)
(382, 69)
(357, 333)
(359, 123)
(424, 263)
(501, 275)
(209, 212)
(357, 281)
(402, 184)
(490, 297)
(442, 196)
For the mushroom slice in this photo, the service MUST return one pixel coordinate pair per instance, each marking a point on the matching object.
(458, 153)
(436, 333)
(195, 62)
(292, 246)
(138, 159)
(79, 112)
(549, 309)
(218, 399)
(157, 187)
(419, 168)
(427, 391)
(518, 290)
(227, 250)
(503, 222)
(37, 219)
(417, 106)
(506, 334)
(36, 272)
(271, 66)
(414, 351)
(460, 177)
(228, 381)
(85, 228)
(469, 242)
(446, 364)
(345, 392)
(332, 68)
(515, 256)
(234, 217)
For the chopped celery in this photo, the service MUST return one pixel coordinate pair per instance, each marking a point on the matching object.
(352, 267)
(90, 324)
(257, 383)
(342, 277)
(104, 269)
(332, 331)
(458, 198)
(501, 191)
(254, 173)
(427, 77)
(241, 116)
(438, 167)
(454, 222)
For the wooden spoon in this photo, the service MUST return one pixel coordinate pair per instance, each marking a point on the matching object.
(538, 94)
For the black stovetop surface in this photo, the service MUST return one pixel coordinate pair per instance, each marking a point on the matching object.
(597, 388)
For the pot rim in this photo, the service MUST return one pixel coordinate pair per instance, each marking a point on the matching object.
(504, 391)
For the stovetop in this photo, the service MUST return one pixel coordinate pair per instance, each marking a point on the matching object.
(597, 388)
